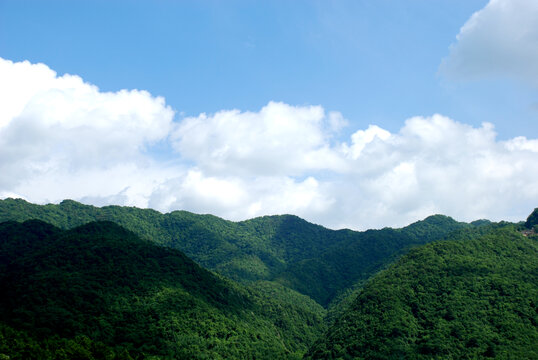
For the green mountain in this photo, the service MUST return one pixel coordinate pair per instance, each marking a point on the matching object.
(99, 291)
(359, 255)
(309, 258)
(532, 220)
(473, 297)
(114, 283)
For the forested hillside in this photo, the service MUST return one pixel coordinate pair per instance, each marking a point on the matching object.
(91, 289)
(532, 220)
(98, 291)
(472, 297)
(309, 258)
(360, 255)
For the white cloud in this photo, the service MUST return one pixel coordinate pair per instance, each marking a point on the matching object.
(436, 164)
(522, 143)
(499, 40)
(361, 138)
(279, 139)
(62, 138)
(239, 198)
(59, 125)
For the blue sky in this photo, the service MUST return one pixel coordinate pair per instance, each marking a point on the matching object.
(375, 63)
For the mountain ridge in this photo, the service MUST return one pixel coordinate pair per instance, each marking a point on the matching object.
(471, 297)
(284, 248)
(101, 282)
(290, 268)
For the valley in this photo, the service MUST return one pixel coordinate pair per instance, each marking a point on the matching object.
(118, 283)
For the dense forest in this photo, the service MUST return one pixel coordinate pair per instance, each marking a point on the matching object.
(475, 297)
(308, 258)
(100, 289)
(84, 282)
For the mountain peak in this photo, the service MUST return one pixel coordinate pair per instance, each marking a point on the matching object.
(532, 220)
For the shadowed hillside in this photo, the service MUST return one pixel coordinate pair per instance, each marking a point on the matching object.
(100, 289)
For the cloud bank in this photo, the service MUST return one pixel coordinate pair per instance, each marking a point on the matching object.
(61, 137)
(499, 40)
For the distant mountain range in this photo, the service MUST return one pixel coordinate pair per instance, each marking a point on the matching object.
(118, 280)
(311, 259)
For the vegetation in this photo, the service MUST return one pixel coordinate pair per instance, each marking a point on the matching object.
(112, 283)
(98, 291)
(359, 256)
(532, 220)
(475, 297)
(346, 298)
(308, 258)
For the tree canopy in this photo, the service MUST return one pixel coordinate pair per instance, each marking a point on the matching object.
(468, 298)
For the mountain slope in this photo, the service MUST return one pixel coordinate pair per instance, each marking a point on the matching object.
(99, 288)
(359, 256)
(250, 250)
(471, 298)
(532, 220)
(309, 258)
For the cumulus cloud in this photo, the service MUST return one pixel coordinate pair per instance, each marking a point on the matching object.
(239, 198)
(437, 165)
(361, 138)
(59, 127)
(279, 139)
(61, 137)
(501, 39)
